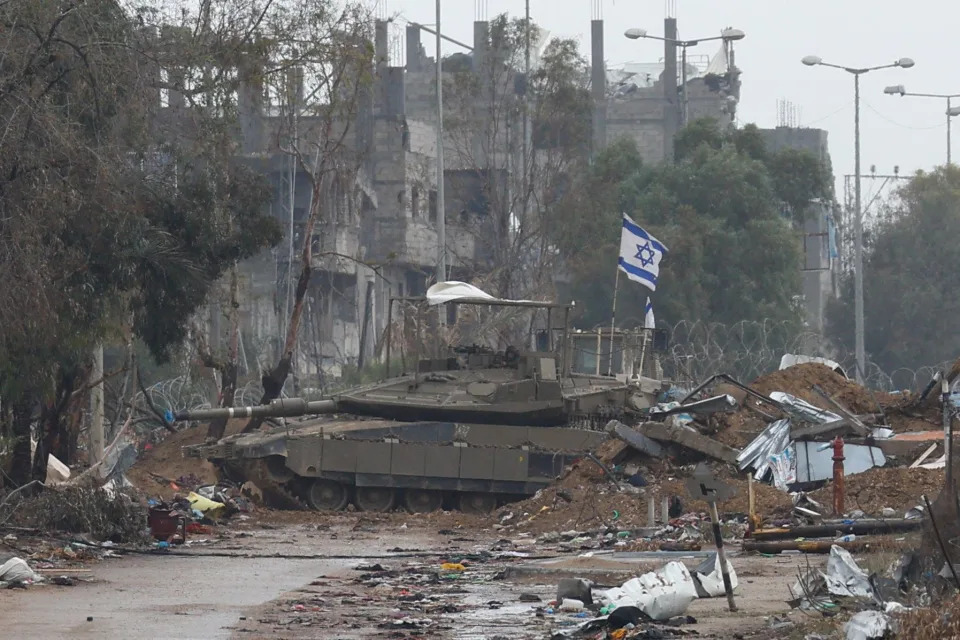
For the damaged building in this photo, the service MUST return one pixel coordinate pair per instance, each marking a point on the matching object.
(384, 213)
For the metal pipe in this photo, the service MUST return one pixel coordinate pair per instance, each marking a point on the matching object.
(860, 528)
(684, 110)
(441, 207)
(943, 548)
(718, 540)
(838, 476)
(947, 432)
(805, 546)
(447, 38)
(389, 333)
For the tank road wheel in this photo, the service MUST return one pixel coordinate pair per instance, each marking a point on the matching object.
(422, 500)
(327, 495)
(477, 503)
(375, 498)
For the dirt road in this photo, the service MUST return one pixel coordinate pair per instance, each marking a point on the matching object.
(385, 581)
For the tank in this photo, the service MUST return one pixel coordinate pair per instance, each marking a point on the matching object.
(470, 428)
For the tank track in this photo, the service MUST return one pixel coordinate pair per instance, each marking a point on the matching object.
(275, 494)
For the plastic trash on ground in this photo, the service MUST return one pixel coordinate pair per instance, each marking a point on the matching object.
(659, 594)
(17, 570)
(709, 579)
(867, 625)
(208, 508)
(844, 577)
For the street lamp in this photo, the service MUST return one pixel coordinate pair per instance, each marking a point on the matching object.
(727, 35)
(905, 63)
(900, 90)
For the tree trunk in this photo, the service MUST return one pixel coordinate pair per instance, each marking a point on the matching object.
(21, 415)
(228, 375)
(274, 380)
(54, 437)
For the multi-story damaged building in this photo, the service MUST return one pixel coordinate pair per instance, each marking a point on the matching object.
(384, 214)
(378, 238)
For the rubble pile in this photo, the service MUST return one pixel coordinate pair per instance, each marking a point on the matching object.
(897, 488)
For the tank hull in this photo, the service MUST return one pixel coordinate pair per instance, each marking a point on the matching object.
(379, 465)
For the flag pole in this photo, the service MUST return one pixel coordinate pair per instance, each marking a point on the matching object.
(613, 320)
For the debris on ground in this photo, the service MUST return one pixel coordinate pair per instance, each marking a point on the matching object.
(16, 573)
(117, 517)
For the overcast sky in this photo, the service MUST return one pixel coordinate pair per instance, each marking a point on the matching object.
(909, 132)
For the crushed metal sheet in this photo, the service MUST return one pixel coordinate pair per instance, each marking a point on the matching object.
(867, 625)
(757, 455)
(844, 577)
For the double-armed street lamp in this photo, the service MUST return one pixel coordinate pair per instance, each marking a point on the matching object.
(727, 35)
(952, 112)
(904, 63)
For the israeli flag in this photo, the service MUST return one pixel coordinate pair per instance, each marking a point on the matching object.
(640, 254)
(648, 321)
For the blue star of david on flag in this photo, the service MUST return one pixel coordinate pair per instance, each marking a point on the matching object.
(640, 254)
(645, 254)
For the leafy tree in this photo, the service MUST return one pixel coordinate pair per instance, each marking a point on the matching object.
(733, 255)
(910, 278)
(107, 213)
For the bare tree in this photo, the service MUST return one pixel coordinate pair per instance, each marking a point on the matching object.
(507, 194)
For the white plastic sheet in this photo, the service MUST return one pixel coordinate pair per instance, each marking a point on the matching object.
(711, 579)
(661, 595)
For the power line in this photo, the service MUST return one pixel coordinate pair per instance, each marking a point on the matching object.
(901, 125)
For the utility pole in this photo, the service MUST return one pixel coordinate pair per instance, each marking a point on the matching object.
(441, 210)
(905, 63)
(858, 239)
(526, 108)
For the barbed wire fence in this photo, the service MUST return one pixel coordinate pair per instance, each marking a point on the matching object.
(748, 350)
(696, 350)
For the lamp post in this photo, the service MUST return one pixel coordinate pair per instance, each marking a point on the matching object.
(900, 90)
(727, 35)
(905, 63)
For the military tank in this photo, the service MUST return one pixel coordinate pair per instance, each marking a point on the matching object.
(469, 430)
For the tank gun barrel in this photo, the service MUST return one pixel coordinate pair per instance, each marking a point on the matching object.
(280, 408)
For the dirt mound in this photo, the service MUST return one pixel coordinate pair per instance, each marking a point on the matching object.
(739, 428)
(897, 488)
(166, 460)
(585, 498)
(799, 381)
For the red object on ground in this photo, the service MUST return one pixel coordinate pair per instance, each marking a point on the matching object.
(164, 524)
(196, 527)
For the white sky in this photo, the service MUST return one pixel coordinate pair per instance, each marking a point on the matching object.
(909, 132)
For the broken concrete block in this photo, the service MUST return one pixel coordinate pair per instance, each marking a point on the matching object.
(574, 589)
(691, 440)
